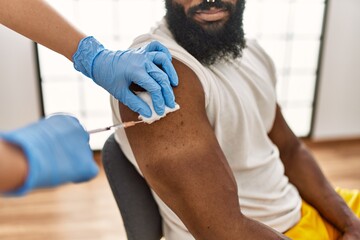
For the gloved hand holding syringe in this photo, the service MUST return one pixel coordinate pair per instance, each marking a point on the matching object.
(57, 151)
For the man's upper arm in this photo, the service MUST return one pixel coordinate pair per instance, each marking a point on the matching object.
(181, 134)
(181, 159)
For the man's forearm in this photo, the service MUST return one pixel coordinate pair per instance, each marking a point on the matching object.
(38, 21)
(13, 167)
(305, 174)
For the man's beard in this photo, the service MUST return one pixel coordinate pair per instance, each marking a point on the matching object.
(211, 44)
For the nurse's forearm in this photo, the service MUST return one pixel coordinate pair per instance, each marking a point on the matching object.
(13, 167)
(38, 21)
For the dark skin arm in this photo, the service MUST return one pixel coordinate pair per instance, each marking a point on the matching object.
(303, 171)
(183, 163)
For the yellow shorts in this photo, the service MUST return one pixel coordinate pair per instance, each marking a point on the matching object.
(313, 226)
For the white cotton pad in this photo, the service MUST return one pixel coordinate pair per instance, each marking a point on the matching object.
(154, 117)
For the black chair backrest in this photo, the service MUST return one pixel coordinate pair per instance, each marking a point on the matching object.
(137, 206)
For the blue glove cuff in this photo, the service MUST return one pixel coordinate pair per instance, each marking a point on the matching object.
(30, 182)
(84, 57)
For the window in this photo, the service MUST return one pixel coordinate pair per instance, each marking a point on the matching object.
(289, 30)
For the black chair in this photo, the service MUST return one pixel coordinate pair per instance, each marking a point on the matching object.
(137, 206)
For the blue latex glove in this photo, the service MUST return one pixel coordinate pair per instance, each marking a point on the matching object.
(57, 150)
(149, 67)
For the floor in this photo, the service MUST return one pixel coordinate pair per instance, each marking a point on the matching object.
(84, 211)
(88, 211)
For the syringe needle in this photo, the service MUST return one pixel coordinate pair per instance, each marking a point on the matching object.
(120, 125)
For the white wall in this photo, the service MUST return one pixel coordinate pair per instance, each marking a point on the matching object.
(338, 106)
(19, 92)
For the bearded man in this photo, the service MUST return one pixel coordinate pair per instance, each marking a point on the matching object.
(226, 165)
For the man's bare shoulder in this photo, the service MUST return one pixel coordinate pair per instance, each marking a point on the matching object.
(179, 132)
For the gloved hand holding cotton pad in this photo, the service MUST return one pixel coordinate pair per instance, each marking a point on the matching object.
(154, 117)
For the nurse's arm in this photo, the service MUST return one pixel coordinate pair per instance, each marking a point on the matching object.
(36, 20)
(13, 167)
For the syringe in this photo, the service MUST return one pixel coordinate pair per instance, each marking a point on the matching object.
(120, 125)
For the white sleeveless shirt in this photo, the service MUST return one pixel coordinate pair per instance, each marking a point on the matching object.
(240, 103)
